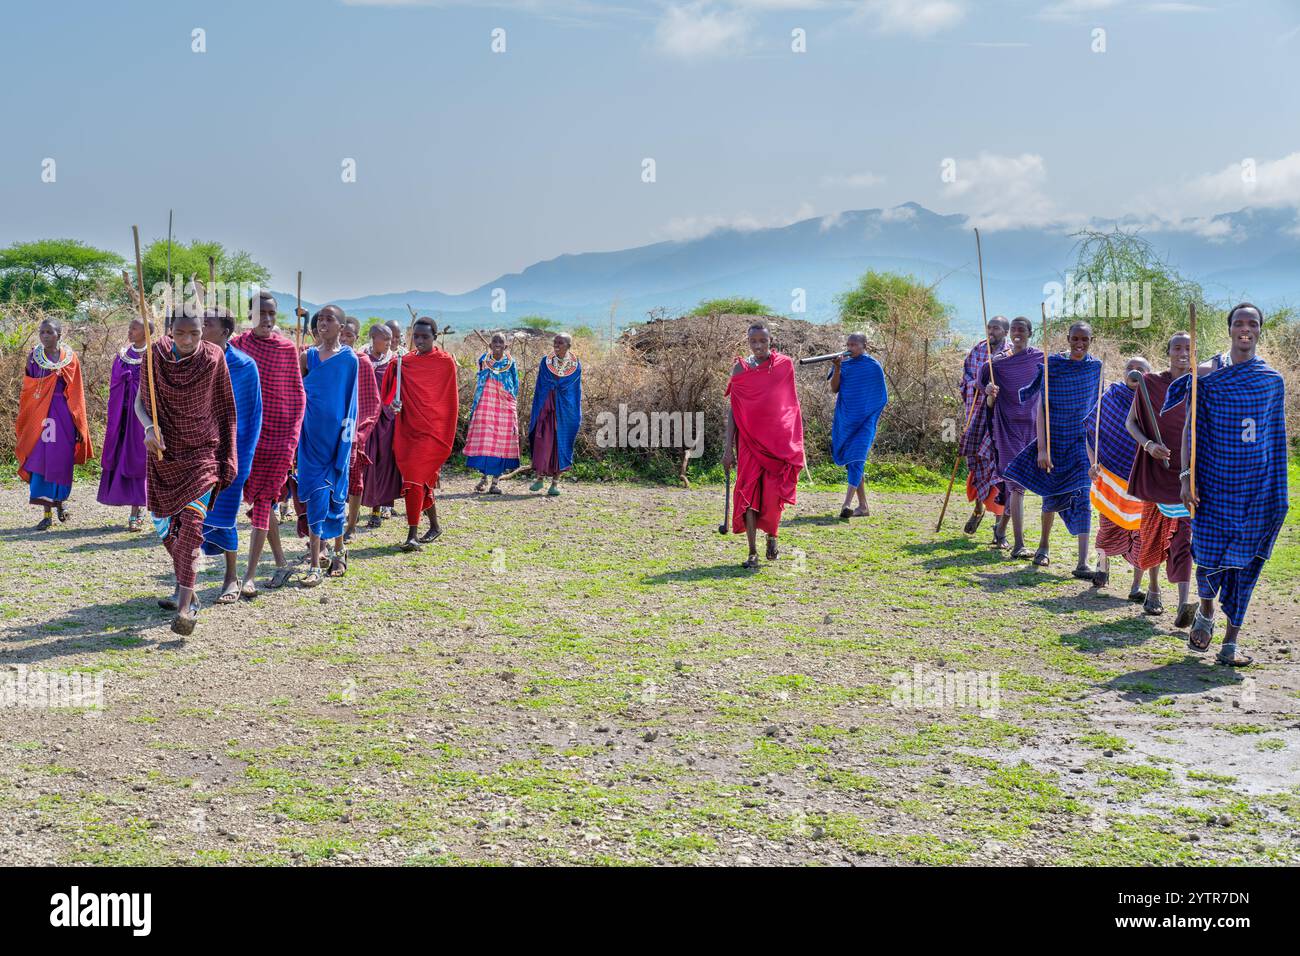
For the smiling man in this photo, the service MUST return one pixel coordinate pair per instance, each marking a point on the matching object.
(1239, 500)
(283, 402)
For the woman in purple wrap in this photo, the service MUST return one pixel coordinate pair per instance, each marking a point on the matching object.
(121, 482)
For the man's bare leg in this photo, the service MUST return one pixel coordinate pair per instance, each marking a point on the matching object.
(434, 528)
(863, 510)
(751, 535)
(354, 511)
(230, 585)
(1017, 509)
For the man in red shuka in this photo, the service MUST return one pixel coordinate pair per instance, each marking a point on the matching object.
(424, 429)
(764, 438)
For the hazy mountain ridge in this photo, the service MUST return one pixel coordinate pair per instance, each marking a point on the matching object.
(1251, 252)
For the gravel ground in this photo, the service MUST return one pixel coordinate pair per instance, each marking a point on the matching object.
(593, 679)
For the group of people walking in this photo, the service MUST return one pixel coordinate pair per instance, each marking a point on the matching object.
(250, 419)
(216, 421)
(1053, 426)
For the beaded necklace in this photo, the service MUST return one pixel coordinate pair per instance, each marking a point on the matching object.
(50, 365)
(561, 367)
(124, 353)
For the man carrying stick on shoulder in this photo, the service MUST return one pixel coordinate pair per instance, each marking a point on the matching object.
(196, 434)
(1235, 479)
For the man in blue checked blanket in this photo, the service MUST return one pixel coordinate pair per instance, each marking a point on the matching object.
(1239, 501)
(1060, 471)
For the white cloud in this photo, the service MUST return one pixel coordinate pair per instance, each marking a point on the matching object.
(1077, 9)
(1002, 192)
(897, 214)
(1275, 183)
(693, 30)
(693, 227)
(917, 17)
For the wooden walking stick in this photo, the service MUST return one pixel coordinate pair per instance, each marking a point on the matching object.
(1047, 395)
(1140, 383)
(211, 290)
(726, 502)
(1191, 454)
(148, 341)
(297, 312)
(1096, 437)
(952, 479)
(171, 307)
(988, 343)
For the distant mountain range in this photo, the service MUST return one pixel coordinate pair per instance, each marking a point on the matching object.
(1252, 253)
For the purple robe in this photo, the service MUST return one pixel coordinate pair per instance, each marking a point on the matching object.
(383, 484)
(122, 480)
(50, 462)
(1012, 425)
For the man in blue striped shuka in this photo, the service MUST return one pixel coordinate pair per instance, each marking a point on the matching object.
(861, 395)
(1240, 500)
(1061, 474)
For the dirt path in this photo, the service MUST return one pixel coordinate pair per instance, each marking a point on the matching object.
(593, 679)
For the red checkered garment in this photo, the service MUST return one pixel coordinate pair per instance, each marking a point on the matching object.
(494, 429)
(196, 416)
(283, 403)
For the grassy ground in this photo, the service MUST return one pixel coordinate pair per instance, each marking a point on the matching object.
(593, 679)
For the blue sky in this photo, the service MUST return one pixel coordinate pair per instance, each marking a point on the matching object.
(471, 163)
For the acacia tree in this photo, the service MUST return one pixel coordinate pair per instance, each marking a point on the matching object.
(55, 274)
(1113, 272)
(232, 265)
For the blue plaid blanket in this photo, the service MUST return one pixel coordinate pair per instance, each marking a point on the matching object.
(1241, 462)
(1118, 449)
(1073, 392)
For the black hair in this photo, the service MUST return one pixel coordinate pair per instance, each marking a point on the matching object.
(376, 327)
(1080, 325)
(1000, 318)
(759, 327)
(426, 321)
(224, 317)
(353, 321)
(1245, 305)
(255, 300)
(1026, 322)
(1169, 346)
(55, 324)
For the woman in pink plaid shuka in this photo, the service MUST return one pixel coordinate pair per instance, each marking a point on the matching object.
(492, 443)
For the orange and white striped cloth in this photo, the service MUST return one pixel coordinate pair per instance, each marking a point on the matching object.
(1110, 496)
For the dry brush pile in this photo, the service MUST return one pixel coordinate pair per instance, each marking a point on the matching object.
(667, 364)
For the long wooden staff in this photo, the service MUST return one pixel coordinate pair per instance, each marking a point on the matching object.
(212, 284)
(1047, 394)
(171, 308)
(148, 342)
(1191, 457)
(952, 479)
(984, 308)
(1096, 437)
(296, 312)
(1140, 383)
